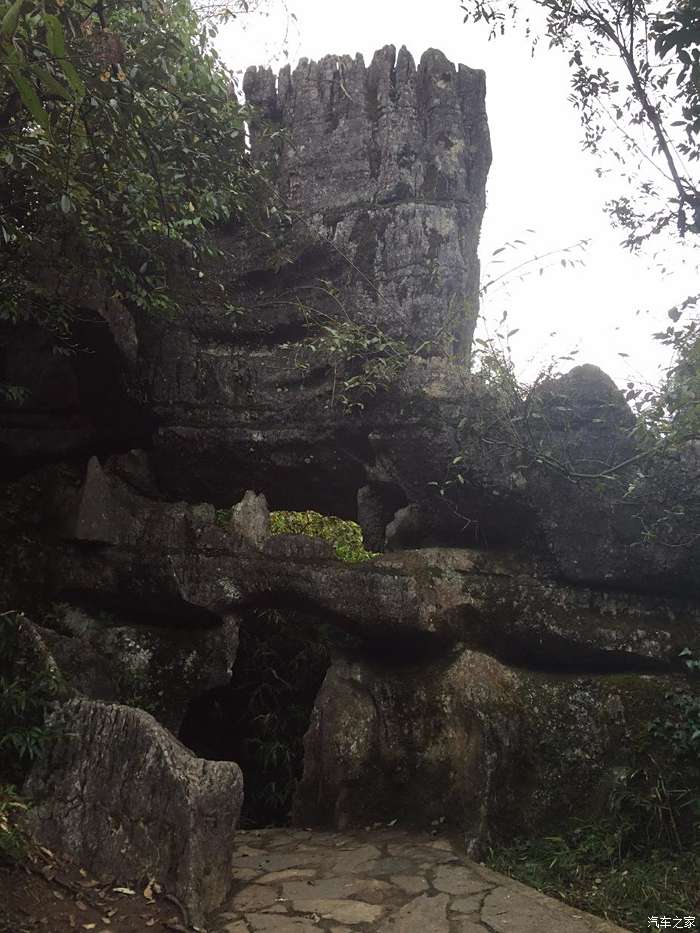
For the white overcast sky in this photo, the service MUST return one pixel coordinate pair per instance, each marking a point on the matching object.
(540, 178)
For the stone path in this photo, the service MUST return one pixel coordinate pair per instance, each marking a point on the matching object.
(390, 881)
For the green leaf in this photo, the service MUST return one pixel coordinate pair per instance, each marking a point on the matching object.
(56, 44)
(8, 26)
(73, 79)
(30, 98)
(66, 204)
(52, 85)
(55, 41)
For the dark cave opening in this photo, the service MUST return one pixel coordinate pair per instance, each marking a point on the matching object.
(259, 718)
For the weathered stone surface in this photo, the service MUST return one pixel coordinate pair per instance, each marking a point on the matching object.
(386, 166)
(253, 897)
(97, 514)
(134, 468)
(391, 159)
(425, 912)
(485, 748)
(448, 689)
(341, 909)
(376, 506)
(173, 556)
(159, 668)
(384, 170)
(120, 794)
(250, 519)
(538, 483)
(534, 912)
(455, 879)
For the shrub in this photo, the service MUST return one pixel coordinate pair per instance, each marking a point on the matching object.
(344, 535)
(13, 844)
(643, 855)
(27, 686)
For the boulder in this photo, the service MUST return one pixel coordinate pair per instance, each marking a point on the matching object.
(250, 519)
(484, 749)
(555, 475)
(119, 795)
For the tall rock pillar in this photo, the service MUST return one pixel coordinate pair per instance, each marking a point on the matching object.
(386, 165)
(381, 173)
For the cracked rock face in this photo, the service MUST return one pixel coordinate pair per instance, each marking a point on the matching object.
(123, 796)
(478, 691)
(388, 163)
(469, 743)
(384, 170)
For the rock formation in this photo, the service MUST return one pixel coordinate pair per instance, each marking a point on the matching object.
(469, 669)
(519, 631)
(119, 793)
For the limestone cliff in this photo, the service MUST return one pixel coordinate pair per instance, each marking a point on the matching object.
(382, 171)
(498, 666)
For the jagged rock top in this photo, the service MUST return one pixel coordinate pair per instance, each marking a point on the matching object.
(385, 133)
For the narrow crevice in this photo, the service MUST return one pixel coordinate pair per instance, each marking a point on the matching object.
(259, 718)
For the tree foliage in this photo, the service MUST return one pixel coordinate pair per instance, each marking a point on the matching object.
(121, 144)
(635, 67)
(635, 81)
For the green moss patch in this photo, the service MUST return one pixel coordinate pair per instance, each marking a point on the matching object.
(344, 535)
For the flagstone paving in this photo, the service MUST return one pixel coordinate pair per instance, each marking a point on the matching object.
(384, 880)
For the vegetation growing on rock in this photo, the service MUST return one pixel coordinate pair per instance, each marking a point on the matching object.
(121, 146)
(29, 683)
(644, 849)
(344, 535)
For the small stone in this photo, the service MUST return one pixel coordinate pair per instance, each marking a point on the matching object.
(410, 884)
(253, 897)
(250, 519)
(288, 874)
(458, 879)
(345, 911)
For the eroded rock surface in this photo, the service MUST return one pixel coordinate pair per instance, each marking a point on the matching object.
(175, 555)
(469, 743)
(504, 653)
(122, 658)
(468, 670)
(117, 792)
(383, 168)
